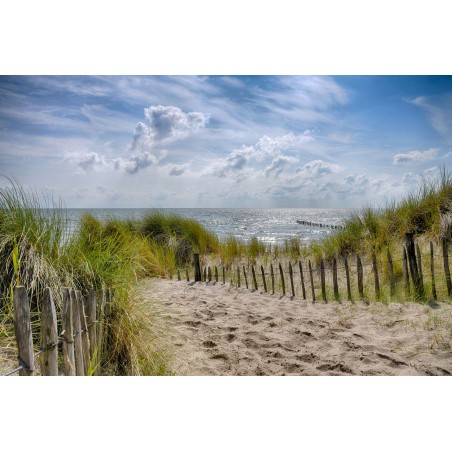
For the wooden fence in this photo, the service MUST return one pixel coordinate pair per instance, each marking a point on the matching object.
(83, 331)
(342, 277)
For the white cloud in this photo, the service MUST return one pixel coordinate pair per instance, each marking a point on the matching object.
(278, 164)
(138, 162)
(87, 160)
(165, 123)
(318, 168)
(415, 157)
(178, 170)
(265, 148)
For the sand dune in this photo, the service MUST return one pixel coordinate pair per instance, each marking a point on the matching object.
(217, 330)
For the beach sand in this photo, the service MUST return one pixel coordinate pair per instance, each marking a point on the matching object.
(213, 329)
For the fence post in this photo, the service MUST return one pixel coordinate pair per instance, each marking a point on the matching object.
(246, 278)
(419, 264)
(187, 275)
(359, 269)
(291, 279)
(178, 274)
(432, 271)
(91, 317)
(406, 276)
(84, 328)
(204, 274)
(391, 273)
(311, 277)
(22, 329)
(411, 252)
(197, 267)
(68, 328)
(347, 277)
(446, 266)
(302, 280)
(238, 276)
(216, 273)
(272, 274)
(335, 285)
(322, 280)
(264, 282)
(79, 367)
(100, 335)
(49, 336)
(282, 279)
(209, 274)
(254, 277)
(224, 275)
(376, 278)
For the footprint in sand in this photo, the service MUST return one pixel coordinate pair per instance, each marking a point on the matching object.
(209, 344)
(230, 337)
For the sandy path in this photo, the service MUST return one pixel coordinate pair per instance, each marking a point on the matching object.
(216, 330)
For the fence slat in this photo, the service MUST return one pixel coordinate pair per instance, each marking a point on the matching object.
(311, 277)
(197, 266)
(264, 282)
(432, 270)
(22, 329)
(254, 277)
(347, 277)
(283, 284)
(216, 273)
(224, 275)
(303, 289)
(335, 285)
(376, 277)
(446, 266)
(49, 336)
(411, 253)
(178, 275)
(238, 276)
(322, 280)
(91, 319)
(391, 273)
(246, 278)
(272, 275)
(68, 328)
(406, 277)
(209, 274)
(419, 264)
(291, 279)
(359, 270)
(84, 334)
(187, 275)
(79, 367)
(101, 323)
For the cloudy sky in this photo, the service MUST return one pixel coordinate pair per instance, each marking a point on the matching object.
(224, 141)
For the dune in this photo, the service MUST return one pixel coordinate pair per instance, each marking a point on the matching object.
(214, 329)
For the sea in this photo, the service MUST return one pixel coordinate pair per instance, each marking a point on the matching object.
(272, 226)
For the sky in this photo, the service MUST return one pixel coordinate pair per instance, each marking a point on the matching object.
(224, 141)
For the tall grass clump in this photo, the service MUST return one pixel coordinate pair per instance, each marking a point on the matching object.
(36, 252)
(425, 211)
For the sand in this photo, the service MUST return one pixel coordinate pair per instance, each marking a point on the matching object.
(213, 329)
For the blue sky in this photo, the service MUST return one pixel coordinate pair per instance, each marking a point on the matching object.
(224, 141)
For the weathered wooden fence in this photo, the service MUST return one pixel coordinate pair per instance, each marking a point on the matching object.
(340, 278)
(83, 330)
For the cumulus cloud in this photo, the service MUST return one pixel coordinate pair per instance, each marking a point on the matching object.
(165, 123)
(265, 149)
(177, 170)
(278, 164)
(318, 168)
(415, 157)
(138, 162)
(87, 161)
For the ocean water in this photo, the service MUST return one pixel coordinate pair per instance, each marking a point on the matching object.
(272, 226)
